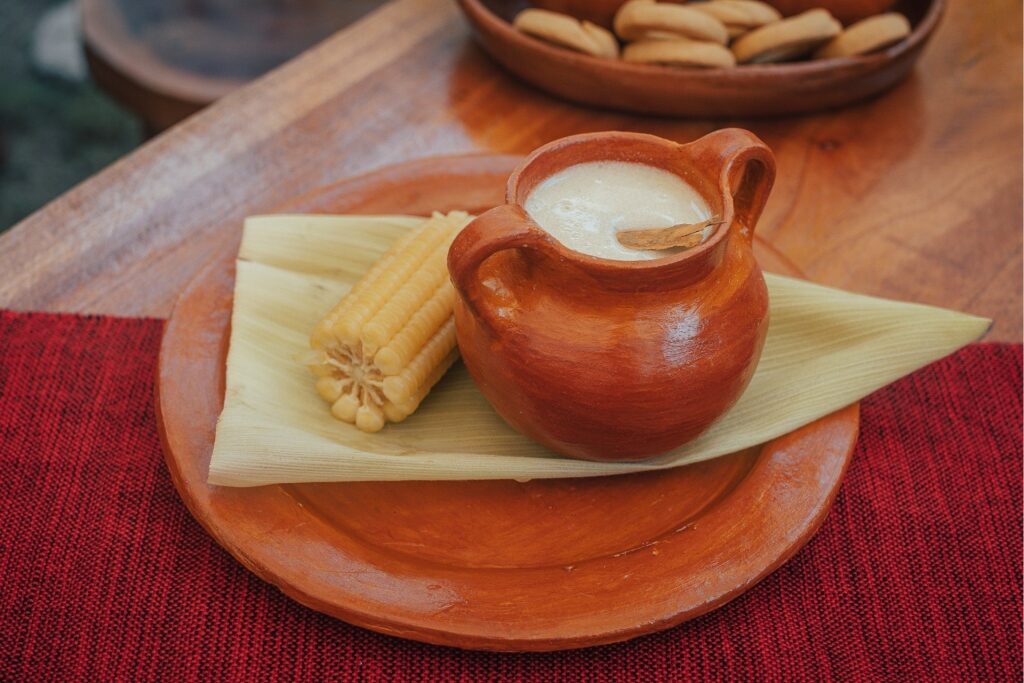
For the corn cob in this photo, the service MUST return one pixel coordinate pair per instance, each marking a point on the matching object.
(392, 337)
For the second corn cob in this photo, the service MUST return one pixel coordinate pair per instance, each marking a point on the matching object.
(392, 337)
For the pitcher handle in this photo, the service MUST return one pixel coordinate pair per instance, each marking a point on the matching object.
(504, 227)
(747, 172)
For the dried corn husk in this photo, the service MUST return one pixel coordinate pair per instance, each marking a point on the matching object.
(826, 349)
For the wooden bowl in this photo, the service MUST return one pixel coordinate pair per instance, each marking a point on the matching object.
(748, 91)
(497, 565)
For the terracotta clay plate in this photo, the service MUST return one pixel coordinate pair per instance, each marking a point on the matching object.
(494, 565)
(746, 91)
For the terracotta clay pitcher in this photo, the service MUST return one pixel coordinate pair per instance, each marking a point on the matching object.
(616, 360)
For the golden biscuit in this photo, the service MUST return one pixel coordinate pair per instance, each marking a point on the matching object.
(637, 18)
(679, 52)
(562, 30)
(867, 35)
(786, 39)
(760, 13)
(603, 38)
(739, 14)
(729, 15)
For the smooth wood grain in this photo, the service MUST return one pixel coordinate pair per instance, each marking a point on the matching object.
(915, 195)
(497, 565)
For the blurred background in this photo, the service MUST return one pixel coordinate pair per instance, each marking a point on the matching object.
(84, 82)
(56, 127)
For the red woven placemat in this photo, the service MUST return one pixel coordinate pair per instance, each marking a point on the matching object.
(915, 575)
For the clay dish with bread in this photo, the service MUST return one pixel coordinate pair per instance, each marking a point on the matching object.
(700, 81)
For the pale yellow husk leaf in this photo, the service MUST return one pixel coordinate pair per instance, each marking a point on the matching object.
(826, 349)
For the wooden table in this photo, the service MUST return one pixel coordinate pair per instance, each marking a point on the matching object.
(915, 196)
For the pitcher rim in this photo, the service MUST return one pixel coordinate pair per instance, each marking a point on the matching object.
(717, 239)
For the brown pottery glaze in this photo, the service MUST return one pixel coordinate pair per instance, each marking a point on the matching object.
(748, 91)
(497, 565)
(617, 360)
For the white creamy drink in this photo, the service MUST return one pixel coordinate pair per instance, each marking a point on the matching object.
(585, 205)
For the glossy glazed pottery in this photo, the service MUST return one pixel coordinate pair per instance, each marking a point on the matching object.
(747, 91)
(495, 565)
(616, 360)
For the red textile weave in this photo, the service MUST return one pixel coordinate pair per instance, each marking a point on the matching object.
(915, 575)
